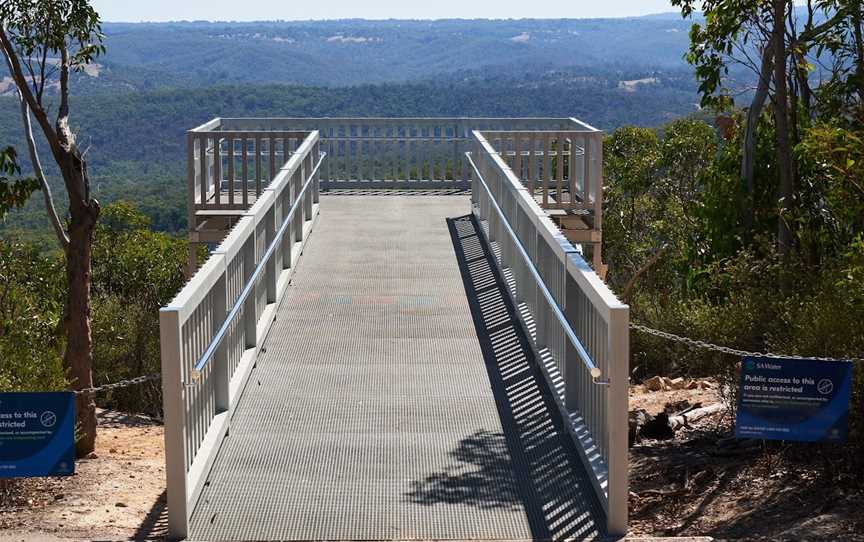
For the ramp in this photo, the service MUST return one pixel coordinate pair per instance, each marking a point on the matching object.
(397, 398)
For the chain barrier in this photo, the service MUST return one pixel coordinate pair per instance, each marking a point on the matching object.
(695, 343)
(120, 384)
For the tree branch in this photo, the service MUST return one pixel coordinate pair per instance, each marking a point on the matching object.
(67, 138)
(628, 288)
(62, 238)
(24, 90)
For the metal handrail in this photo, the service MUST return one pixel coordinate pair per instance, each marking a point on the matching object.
(247, 290)
(559, 314)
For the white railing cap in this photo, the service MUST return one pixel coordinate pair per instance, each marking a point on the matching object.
(191, 295)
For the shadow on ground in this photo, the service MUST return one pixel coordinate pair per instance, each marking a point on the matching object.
(533, 464)
(155, 524)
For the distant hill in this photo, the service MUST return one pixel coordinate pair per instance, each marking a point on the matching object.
(350, 52)
(158, 80)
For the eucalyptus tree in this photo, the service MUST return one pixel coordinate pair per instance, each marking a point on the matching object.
(753, 34)
(44, 42)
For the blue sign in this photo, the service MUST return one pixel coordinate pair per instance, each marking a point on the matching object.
(791, 399)
(37, 434)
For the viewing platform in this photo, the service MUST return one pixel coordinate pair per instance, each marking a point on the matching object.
(393, 338)
(548, 155)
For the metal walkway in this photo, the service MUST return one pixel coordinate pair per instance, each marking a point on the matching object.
(397, 397)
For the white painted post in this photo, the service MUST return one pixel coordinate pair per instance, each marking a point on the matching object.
(307, 196)
(172, 403)
(220, 372)
(250, 314)
(191, 170)
(616, 418)
(270, 271)
(597, 183)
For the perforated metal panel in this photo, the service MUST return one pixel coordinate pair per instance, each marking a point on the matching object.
(397, 399)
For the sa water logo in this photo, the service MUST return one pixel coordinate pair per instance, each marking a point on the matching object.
(749, 364)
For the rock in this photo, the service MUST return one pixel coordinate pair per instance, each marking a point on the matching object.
(121, 505)
(637, 418)
(59, 497)
(655, 383)
(693, 385)
(91, 455)
(706, 385)
(112, 451)
(677, 383)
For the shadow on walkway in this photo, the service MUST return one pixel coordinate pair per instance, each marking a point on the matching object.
(534, 464)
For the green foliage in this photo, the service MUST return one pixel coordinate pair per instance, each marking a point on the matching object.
(50, 27)
(31, 294)
(681, 194)
(13, 192)
(135, 272)
(728, 25)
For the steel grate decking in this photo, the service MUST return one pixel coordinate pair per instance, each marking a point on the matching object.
(397, 398)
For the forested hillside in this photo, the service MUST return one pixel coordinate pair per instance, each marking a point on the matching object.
(350, 52)
(136, 144)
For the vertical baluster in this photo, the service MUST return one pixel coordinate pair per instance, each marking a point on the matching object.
(244, 171)
(217, 169)
(559, 169)
(271, 149)
(205, 168)
(423, 153)
(257, 166)
(586, 175)
(532, 163)
(517, 157)
(348, 140)
(250, 309)
(547, 164)
(231, 169)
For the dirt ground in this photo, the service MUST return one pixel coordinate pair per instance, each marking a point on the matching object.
(117, 494)
(701, 483)
(696, 484)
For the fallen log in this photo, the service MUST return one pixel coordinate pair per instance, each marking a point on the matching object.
(664, 425)
(686, 418)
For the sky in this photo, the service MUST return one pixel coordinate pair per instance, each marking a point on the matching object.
(254, 10)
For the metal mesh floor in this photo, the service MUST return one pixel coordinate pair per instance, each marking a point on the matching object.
(397, 398)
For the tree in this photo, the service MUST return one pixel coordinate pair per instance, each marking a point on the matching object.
(734, 32)
(43, 42)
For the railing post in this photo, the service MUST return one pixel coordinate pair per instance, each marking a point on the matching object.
(308, 164)
(221, 376)
(316, 186)
(250, 313)
(270, 272)
(297, 221)
(616, 421)
(170, 339)
(597, 183)
(193, 167)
